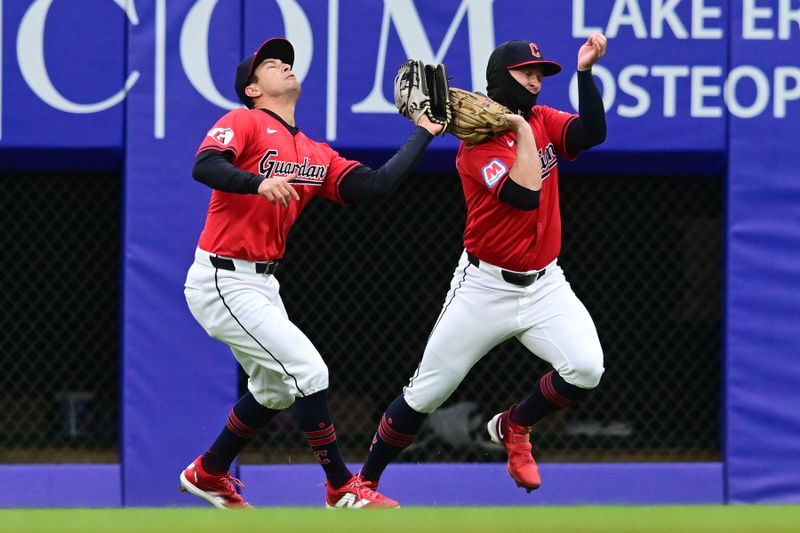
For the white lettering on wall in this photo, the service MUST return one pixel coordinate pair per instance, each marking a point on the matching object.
(627, 85)
(579, 27)
(784, 93)
(631, 90)
(403, 14)
(30, 56)
(194, 53)
(701, 12)
(663, 11)
(628, 13)
(755, 16)
(751, 14)
(700, 85)
(160, 72)
(761, 100)
(332, 89)
(701, 90)
(194, 46)
(670, 73)
(787, 15)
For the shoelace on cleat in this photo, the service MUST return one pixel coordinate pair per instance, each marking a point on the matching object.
(228, 481)
(362, 489)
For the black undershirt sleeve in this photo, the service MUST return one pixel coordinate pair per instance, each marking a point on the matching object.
(215, 169)
(365, 183)
(589, 129)
(518, 196)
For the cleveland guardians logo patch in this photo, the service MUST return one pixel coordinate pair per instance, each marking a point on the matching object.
(493, 171)
(222, 135)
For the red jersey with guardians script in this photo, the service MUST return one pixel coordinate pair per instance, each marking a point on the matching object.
(497, 232)
(248, 226)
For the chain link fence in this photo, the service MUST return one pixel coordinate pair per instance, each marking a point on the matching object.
(366, 284)
(59, 317)
(644, 255)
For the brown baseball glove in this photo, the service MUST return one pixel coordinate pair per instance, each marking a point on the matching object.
(473, 112)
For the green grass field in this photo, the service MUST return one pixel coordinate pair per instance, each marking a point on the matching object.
(677, 519)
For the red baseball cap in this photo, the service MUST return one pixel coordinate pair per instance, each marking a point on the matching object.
(274, 48)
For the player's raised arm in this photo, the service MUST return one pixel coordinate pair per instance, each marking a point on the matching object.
(590, 128)
(591, 51)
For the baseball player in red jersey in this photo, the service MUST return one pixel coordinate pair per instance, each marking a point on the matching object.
(508, 282)
(264, 171)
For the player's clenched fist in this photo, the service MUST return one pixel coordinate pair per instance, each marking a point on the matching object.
(279, 189)
(593, 49)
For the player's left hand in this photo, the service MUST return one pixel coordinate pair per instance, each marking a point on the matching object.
(593, 49)
(428, 124)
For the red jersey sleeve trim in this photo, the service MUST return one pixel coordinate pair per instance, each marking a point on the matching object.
(338, 180)
(218, 149)
(564, 139)
(214, 148)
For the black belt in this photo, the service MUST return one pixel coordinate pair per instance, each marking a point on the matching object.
(268, 267)
(523, 280)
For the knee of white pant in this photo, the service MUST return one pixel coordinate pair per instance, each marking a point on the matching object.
(585, 375)
(279, 404)
(421, 403)
(314, 380)
(430, 389)
(275, 398)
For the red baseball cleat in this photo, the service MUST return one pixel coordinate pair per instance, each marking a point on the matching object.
(356, 494)
(516, 440)
(216, 489)
(371, 485)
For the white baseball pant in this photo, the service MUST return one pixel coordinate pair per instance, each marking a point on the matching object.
(244, 310)
(481, 310)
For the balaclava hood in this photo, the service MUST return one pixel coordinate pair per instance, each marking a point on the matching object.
(502, 87)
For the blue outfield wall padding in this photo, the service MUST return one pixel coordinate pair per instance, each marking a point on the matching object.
(434, 484)
(763, 280)
(53, 485)
(488, 484)
(178, 384)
